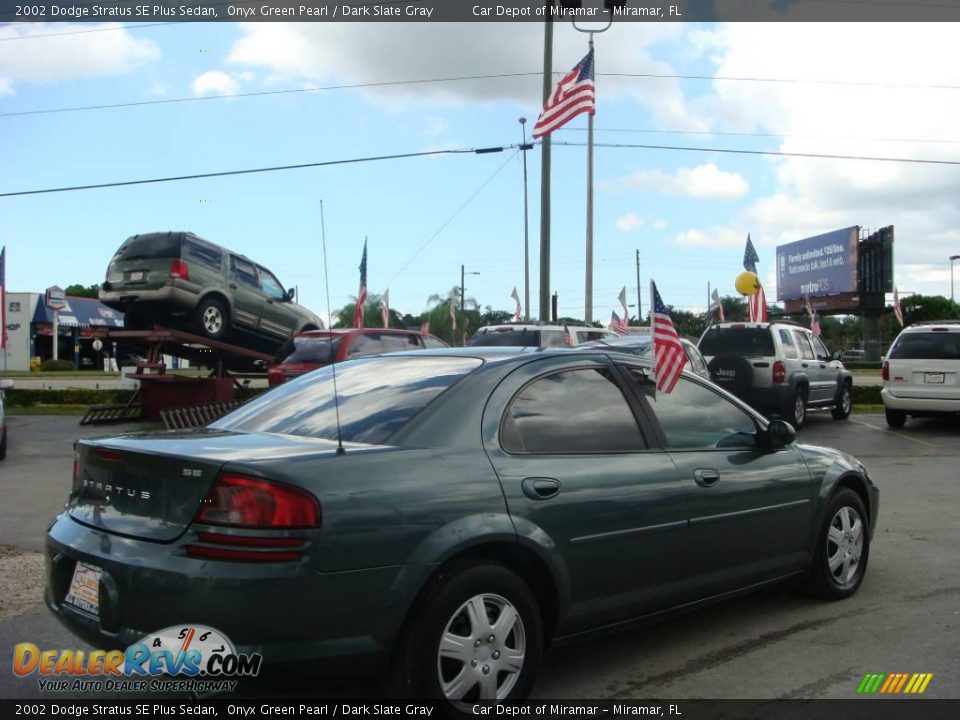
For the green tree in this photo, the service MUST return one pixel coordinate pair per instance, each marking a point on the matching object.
(87, 291)
(372, 309)
(921, 308)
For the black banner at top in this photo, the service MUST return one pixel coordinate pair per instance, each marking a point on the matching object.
(434, 11)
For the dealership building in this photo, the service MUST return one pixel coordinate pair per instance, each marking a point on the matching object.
(30, 331)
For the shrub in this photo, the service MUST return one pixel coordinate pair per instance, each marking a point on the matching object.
(57, 365)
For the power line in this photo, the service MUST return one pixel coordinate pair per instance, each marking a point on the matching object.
(84, 32)
(788, 81)
(762, 135)
(829, 156)
(450, 219)
(250, 171)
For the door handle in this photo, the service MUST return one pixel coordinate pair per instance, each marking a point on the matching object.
(804, 364)
(706, 477)
(233, 286)
(540, 488)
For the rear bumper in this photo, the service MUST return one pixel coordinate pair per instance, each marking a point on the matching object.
(919, 405)
(168, 296)
(288, 612)
(769, 400)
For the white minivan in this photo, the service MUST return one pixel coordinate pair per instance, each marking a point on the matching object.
(921, 372)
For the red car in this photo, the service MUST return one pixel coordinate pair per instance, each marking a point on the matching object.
(314, 349)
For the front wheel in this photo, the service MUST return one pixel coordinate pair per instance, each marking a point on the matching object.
(475, 635)
(843, 548)
(841, 411)
(895, 418)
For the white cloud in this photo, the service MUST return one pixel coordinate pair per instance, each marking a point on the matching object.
(659, 224)
(629, 221)
(703, 181)
(54, 58)
(722, 237)
(214, 82)
(435, 125)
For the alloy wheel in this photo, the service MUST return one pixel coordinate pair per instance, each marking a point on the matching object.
(482, 650)
(212, 320)
(799, 409)
(845, 545)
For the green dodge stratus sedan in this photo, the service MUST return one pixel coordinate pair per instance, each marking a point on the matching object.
(466, 507)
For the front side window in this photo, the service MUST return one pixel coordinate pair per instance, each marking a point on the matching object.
(270, 285)
(377, 397)
(806, 350)
(820, 349)
(574, 411)
(695, 417)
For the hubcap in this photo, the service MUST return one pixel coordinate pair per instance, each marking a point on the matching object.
(845, 399)
(800, 409)
(845, 545)
(212, 320)
(481, 650)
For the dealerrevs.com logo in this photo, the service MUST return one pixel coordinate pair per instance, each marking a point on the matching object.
(894, 683)
(182, 658)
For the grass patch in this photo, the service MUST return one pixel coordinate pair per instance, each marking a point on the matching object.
(78, 410)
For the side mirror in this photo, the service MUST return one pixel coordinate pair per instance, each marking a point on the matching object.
(291, 294)
(837, 355)
(779, 434)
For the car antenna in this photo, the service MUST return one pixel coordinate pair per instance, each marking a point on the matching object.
(333, 365)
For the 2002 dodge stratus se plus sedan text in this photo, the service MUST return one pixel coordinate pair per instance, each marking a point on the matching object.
(486, 500)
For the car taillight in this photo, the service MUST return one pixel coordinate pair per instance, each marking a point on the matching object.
(275, 377)
(239, 501)
(885, 371)
(779, 372)
(179, 269)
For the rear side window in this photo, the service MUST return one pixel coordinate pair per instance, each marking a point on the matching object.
(245, 272)
(313, 350)
(364, 345)
(203, 254)
(747, 341)
(926, 346)
(789, 349)
(153, 245)
(576, 411)
(507, 338)
(553, 338)
(377, 397)
(399, 343)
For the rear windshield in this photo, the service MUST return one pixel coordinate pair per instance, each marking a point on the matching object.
(507, 338)
(377, 397)
(312, 350)
(750, 342)
(927, 346)
(153, 245)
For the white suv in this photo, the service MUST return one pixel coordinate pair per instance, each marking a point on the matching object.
(921, 372)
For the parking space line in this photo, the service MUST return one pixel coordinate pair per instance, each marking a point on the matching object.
(895, 432)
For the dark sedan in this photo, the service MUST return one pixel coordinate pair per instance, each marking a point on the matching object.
(446, 513)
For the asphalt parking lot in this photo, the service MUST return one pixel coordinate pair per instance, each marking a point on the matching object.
(775, 644)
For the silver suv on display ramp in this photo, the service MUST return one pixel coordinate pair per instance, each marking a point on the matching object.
(778, 368)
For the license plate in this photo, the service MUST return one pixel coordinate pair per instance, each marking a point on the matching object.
(84, 592)
(135, 276)
(933, 378)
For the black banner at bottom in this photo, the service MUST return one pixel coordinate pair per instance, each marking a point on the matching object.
(865, 709)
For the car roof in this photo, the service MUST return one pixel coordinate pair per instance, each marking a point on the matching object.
(357, 331)
(938, 325)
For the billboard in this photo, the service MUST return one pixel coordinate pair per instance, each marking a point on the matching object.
(820, 265)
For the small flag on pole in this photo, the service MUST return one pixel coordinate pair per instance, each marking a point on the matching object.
(385, 310)
(362, 293)
(750, 257)
(425, 328)
(897, 310)
(453, 310)
(622, 297)
(3, 298)
(814, 318)
(573, 95)
(668, 355)
(617, 325)
(517, 311)
(568, 337)
(758, 305)
(717, 306)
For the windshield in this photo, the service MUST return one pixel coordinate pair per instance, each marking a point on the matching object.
(747, 341)
(312, 350)
(506, 338)
(376, 397)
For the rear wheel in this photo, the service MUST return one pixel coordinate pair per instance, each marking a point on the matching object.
(795, 411)
(895, 418)
(843, 548)
(3, 445)
(211, 318)
(841, 410)
(475, 635)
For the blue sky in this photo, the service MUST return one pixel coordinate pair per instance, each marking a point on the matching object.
(688, 213)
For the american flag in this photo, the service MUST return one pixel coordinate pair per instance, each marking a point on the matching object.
(568, 337)
(573, 95)
(814, 318)
(758, 305)
(668, 355)
(622, 297)
(362, 293)
(425, 328)
(516, 296)
(717, 305)
(453, 309)
(617, 325)
(385, 310)
(897, 310)
(3, 298)
(750, 257)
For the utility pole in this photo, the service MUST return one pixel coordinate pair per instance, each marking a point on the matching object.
(639, 306)
(461, 289)
(526, 226)
(545, 172)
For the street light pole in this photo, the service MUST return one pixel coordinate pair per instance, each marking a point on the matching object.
(463, 273)
(526, 226)
(545, 172)
(952, 258)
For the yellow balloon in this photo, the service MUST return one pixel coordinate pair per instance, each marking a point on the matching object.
(747, 283)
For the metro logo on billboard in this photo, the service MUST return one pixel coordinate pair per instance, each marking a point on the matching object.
(820, 265)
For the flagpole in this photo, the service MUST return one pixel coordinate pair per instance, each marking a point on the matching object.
(588, 284)
(709, 306)
(545, 172)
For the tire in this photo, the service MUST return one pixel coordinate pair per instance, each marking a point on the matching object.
(895, 418)
(212, 319)
(464, 668)
(795, 411)
(3, 445)
(841, 410)
(843, 548)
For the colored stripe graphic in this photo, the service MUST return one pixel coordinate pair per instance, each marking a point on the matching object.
(894, 684)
